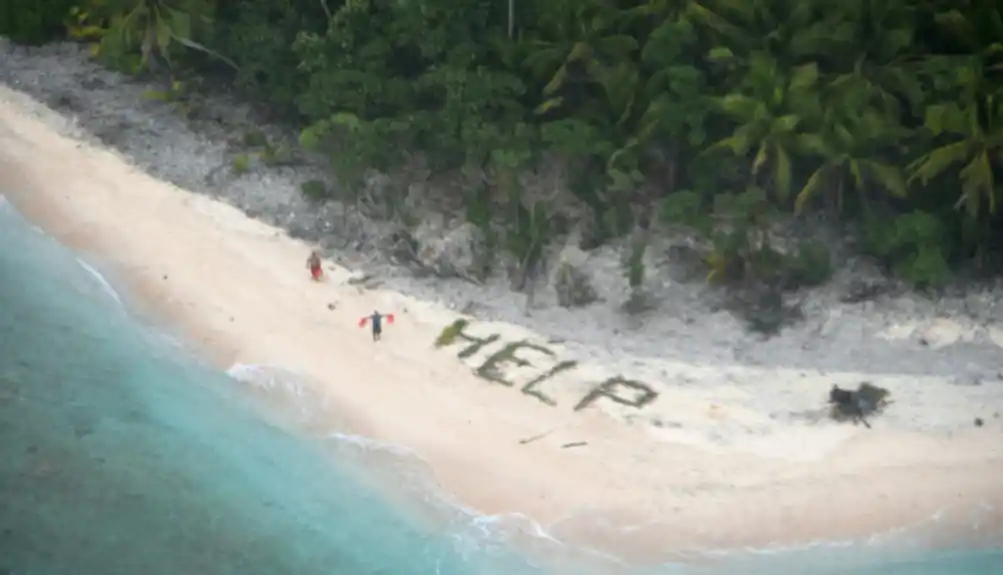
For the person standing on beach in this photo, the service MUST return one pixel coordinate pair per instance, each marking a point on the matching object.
(376, 319)
(313, 264)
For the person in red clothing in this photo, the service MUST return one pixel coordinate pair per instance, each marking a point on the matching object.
(376, 320)
(313, 264)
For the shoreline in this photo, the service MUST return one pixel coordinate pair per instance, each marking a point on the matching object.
(237, 289)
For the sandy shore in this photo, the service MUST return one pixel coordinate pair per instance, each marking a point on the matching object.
(704, 463)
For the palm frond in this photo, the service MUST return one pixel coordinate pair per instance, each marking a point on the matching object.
(977, 180)
(782, 172)
(786, 124)
(737, 143)
(889, 177)
(739, 107)
(762, 154)
(811, 187)
(936, 162)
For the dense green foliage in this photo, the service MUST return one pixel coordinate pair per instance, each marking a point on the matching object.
(714, 114)
(34, 21)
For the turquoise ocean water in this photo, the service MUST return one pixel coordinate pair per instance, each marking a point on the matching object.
(121, 453)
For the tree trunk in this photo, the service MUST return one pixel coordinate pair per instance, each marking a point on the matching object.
(511, 18)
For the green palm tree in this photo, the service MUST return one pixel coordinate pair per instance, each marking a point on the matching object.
(584, 35)
(977, 25)
(973, 116)
(770, 116)
(791, 31)
(154, 26)
(848, 145)
(673, 92)
(976, 126)
(874, 59)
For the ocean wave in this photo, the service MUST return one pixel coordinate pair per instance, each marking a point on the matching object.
(105, 285)
(9, 209)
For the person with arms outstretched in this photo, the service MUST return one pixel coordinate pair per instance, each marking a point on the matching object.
(376, 320)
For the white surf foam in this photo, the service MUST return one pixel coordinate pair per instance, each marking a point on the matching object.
(265, 376)
(101, 280)
(7, 207)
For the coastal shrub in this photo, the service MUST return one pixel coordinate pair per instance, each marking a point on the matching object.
(527, 233)
(273, 156)
(634, 264)
(741, 244)
(315, 190)
(811, 265)
(182, 96)
(241, 164)
(34, 22)
(573, 286)
(914, 245)
(254, 138)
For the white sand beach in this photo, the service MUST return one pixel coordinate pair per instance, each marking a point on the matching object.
(717, 458)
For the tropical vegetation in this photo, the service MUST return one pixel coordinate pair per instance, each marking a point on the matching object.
(721, 116)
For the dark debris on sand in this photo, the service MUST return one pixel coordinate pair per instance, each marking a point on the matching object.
(856, 405)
